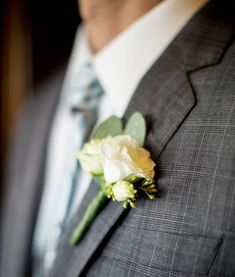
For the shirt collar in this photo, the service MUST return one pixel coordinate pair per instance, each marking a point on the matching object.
(124, 61)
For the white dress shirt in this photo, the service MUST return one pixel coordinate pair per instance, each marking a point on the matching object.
(119, 67)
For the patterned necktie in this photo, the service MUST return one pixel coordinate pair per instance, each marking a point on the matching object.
(83, 106)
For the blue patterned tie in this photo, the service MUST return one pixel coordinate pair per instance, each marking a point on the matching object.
(84, 102)
(83, 105)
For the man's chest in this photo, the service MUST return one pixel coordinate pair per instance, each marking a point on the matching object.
(190, 222)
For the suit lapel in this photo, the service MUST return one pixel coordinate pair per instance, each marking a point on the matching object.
(165, 97)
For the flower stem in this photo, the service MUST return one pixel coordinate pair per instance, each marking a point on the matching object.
(91, 211)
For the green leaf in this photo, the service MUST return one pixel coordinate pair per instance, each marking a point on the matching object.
(110, 127)
(136, 128)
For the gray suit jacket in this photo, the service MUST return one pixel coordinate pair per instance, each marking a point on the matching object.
(188, 97)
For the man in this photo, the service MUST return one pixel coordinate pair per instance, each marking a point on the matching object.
(173, 61)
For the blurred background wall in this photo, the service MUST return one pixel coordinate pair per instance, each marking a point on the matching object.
(36, 38)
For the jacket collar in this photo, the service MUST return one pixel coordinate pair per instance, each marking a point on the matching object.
(204, 40)
(165, 97)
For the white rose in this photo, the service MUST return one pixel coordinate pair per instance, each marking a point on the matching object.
(124, 190)
(125, 159)
(91, 157)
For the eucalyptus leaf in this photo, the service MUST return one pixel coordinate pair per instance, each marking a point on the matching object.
(110, 127)
(136, 128)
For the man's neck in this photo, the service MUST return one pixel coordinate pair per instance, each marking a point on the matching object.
(105, 19)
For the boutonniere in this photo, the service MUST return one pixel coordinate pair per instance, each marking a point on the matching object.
(115, 157)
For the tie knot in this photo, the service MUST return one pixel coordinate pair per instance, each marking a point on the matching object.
(87, 90)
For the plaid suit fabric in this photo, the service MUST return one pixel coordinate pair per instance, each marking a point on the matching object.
(189, 230)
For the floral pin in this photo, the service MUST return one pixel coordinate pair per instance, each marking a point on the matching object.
(124, 169)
